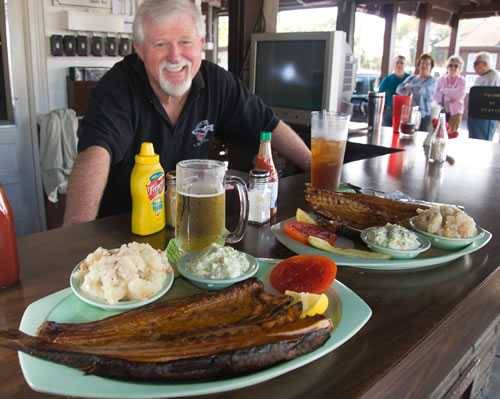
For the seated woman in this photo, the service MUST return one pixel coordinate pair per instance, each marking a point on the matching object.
(422, 87)
(389, 85)
(450, 92)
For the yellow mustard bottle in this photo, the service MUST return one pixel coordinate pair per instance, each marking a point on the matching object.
(147, 187)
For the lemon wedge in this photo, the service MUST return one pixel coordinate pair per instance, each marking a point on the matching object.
(303, 217)
(326, 246)
(312, 304)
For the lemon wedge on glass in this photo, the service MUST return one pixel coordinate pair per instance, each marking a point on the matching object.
(312, 304)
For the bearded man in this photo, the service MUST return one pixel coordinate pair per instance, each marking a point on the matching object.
(166, 94)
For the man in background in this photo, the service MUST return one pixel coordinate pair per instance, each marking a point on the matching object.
(481, 128)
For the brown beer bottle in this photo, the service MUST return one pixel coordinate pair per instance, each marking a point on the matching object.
(9, 267)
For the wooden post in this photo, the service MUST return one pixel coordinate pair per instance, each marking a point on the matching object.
(453, 35)
(424, 14)
(345, 19)
(243, 16)
(270, 12)
(210, 38)
(235, 36)
(389, 12)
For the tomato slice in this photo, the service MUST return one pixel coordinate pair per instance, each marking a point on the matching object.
(301, 231)
(304, 273)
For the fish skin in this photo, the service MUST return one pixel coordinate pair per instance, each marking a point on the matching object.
(240, 302)
(204, 355)
(226, 364)
(358, 211)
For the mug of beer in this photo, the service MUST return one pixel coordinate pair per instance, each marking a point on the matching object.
(201, 204)
(328, 138)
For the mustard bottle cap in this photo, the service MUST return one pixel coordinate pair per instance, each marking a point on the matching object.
(147, 154)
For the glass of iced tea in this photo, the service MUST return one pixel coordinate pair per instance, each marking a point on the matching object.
(201, 204)
(328, 140)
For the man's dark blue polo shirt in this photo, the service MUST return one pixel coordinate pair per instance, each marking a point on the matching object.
(124, 111)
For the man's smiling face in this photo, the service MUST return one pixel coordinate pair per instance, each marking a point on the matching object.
(171, 52)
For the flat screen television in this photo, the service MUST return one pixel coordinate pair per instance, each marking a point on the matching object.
(296, 73)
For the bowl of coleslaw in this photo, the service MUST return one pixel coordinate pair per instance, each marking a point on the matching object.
(217, 267)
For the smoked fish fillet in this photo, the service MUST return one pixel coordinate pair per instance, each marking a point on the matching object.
(201, 350)
(358, 211)
(239, 302)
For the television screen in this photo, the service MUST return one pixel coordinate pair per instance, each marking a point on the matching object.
(290, 73)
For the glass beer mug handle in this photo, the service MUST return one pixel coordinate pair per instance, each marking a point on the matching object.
(240, 186)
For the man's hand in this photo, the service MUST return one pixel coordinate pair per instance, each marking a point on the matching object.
(86, 185)
(291, 146)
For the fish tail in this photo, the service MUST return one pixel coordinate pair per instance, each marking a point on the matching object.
(13, 339)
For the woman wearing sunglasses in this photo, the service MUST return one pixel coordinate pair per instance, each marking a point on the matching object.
(450, 92)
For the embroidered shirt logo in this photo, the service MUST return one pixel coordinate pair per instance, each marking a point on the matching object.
(201, 131)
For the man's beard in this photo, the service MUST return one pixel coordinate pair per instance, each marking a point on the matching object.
(171, 89)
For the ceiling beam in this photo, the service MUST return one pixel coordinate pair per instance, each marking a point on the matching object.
(480, 10)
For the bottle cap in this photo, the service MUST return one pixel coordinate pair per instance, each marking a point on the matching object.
(147, 154)
(265, 136)
(259, 175)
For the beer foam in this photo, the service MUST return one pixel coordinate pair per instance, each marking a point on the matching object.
(198, 195)
(201, 190)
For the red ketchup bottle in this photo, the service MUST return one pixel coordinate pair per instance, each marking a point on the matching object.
(265, 161)
(9, 266)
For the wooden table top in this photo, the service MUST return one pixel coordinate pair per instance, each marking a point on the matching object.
(423, 321)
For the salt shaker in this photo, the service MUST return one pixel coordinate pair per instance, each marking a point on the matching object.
(437, 147)
(259, 197)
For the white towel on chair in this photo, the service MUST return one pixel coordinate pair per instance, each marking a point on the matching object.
(58, 149)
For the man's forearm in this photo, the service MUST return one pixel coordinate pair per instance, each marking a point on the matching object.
(291, 146)
(86, 185)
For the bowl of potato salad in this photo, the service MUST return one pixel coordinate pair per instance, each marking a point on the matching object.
(122, 278)
(446, 227)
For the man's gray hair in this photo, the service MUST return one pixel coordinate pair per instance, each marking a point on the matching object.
(484, 57)
(159, 9)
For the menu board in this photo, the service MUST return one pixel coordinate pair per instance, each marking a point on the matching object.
(484, 103)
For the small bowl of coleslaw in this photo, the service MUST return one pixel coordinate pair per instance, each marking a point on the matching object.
(217, 267)
(395, 240)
